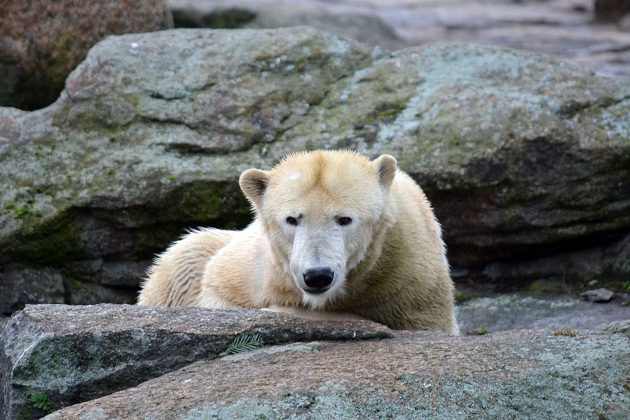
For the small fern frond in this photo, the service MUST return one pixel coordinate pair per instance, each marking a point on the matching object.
(41, 401)
(244, 343)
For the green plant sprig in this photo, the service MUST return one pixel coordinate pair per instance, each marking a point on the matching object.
(244, 343)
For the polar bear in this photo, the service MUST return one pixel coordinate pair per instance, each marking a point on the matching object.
(334, 233)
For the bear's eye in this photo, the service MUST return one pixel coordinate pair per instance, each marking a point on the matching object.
(344, 221)
(292, 221)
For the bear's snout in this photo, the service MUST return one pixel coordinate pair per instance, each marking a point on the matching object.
(318, 279)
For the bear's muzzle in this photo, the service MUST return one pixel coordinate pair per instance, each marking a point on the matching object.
(318, 280)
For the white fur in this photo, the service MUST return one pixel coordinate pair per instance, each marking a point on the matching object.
(389, 262)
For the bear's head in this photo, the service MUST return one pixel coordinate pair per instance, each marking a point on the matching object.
(320, 212)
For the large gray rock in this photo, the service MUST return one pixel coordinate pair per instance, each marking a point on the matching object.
(524, 311)
(78, 353)
(355, 20)
(524, 158)
(163, 363)
(566, 29)
(525, 374)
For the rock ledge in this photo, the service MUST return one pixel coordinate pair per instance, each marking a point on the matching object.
(71, 354)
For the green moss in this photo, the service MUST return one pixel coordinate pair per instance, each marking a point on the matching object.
(217, 204)
(206, 201)
(481, 331)
(40, 190)
(21, 213)
(133, 99)
(55, 241)
(384, 113)
(460, 296)
(105, 121)
(545, 286)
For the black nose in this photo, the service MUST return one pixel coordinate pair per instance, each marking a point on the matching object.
(319, 278)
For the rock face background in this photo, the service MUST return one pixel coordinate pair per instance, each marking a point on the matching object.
(525, 159)
(41, 42)
(595, 33)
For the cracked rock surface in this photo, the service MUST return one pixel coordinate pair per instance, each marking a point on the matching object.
(410, 374)
(118, 361)
(79, 353)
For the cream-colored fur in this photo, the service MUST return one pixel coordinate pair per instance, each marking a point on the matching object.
(365, 223)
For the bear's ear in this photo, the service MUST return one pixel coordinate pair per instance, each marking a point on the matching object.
(386, 168)
(254, 182)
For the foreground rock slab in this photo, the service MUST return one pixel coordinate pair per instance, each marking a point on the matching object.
(525, 374)
(77, 353)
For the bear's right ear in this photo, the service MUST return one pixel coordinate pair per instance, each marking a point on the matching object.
(254, 182)
(386, 168)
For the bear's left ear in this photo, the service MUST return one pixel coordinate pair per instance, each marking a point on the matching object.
(254, 182)
(386, 168)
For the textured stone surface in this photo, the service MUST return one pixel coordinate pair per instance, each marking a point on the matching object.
(43, 41)
(524, 374)
(522, 311)
(610, 10)
(351, 20)
(566, 29)
(526, 160)
(78, 353)
(597, 295)
(620, 327)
